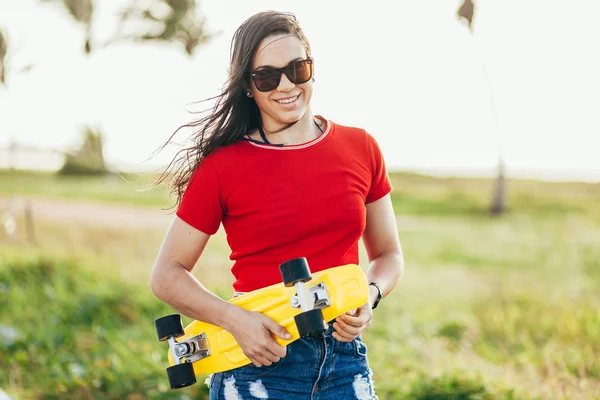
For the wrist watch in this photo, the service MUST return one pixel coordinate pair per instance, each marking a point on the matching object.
(378, 296)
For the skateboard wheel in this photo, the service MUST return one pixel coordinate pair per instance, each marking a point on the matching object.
(167, 326)
(181, 375)
(294, 271)
(310, 322)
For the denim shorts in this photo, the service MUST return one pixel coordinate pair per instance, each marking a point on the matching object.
(316, 367)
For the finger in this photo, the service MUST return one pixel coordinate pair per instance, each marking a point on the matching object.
(266, 357)
(352, 321)
(274, 351)
(277, 329)
(263, 361)
(341, 325)
(255, 361)
(273, 357)
(277, 350)
(347, 333)
(341, 338)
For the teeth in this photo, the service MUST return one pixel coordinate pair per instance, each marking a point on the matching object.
(288, 101)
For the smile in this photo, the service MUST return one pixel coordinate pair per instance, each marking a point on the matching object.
(288, 100)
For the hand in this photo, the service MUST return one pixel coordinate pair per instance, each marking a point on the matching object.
(352, 324)
(253, 332)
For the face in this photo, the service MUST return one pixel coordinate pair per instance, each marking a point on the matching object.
(288, 102)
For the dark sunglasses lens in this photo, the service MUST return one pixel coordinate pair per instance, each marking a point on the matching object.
(299, 71)
(267, 79)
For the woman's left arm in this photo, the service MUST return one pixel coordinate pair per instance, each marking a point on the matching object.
(386, 266)
(383, 247)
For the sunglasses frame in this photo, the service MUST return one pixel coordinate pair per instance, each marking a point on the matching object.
(282, 70)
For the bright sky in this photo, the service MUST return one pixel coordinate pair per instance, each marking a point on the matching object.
(407, 71)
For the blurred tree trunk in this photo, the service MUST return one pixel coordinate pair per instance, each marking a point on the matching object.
(466, 12)
(83, 12)
(3, 50)
(498, 204)
(6, 59)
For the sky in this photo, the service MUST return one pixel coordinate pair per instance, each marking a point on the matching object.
(437, 98)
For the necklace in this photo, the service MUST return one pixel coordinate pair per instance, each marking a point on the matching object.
(264, 137)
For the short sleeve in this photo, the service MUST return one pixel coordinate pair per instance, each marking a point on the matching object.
(201, 205)
(380, 181)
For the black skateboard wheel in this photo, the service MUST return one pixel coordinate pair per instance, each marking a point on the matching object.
(167, 326)
(294, 271)
(310, 322)
(181, 375)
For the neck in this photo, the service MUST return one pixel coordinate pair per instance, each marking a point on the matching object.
(301, 132)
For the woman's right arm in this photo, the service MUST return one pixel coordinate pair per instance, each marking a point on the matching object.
(173, 283)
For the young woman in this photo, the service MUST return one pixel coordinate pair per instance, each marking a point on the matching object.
(285, 184)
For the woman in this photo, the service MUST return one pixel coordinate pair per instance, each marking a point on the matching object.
(285, 184)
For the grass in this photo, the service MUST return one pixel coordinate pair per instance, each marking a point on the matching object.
(492, 308)
(413, 194)
(78, 334)
(124, 188)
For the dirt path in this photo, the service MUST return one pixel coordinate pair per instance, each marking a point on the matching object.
(87, 212)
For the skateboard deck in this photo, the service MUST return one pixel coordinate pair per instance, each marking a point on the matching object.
(346, 288)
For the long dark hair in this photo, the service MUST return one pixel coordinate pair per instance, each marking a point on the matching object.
(234, 113)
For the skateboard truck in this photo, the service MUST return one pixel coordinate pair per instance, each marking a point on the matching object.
(311, 300)
(193, 349)
(181, 373)
(318, 293)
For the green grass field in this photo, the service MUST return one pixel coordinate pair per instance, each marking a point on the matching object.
(491, 308)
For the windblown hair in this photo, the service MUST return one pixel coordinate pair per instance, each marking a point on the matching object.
(234, 113)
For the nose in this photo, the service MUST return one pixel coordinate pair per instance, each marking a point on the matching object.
(285, 85)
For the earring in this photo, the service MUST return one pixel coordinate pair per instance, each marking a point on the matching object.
(249, 94)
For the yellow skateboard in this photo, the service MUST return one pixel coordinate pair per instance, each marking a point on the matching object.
(302, 303)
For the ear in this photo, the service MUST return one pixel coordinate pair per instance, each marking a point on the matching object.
(247, 89)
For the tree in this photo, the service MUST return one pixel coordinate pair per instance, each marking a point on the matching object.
(465, 13)
(156, 20)
(6, 55)
(88, 159)
(82, 12)
(3, 50)
(180, 23)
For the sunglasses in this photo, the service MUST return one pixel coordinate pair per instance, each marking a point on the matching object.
(268, 78)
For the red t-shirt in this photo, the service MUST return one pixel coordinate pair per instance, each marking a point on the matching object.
(279, 203)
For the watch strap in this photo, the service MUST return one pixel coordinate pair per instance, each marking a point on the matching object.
(378, 299)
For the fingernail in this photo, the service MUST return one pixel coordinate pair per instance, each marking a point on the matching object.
(288, 336)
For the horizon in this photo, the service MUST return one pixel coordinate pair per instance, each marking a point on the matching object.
(55, 158)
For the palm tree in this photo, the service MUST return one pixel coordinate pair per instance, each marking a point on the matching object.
(180, 24)
(466, 12)
(82, 12)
